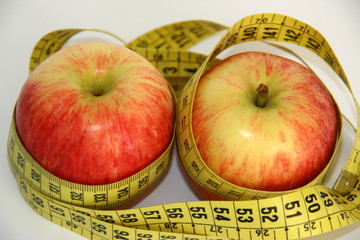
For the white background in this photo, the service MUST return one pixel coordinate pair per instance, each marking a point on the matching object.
(23, 23)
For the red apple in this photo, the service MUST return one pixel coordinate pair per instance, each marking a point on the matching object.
(95, 113)
(264, 122)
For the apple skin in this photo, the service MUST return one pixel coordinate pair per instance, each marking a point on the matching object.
(281, 146)
(95, 113)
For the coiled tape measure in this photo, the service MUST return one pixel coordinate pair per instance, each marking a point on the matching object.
(304, 212)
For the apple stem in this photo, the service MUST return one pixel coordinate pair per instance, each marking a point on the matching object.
(262, 91)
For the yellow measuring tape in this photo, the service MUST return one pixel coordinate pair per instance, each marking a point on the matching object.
(305, 212)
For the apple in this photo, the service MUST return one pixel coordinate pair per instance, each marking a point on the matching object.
(95, 113)
(264, 122)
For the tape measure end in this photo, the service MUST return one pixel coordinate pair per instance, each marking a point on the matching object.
(346, 182)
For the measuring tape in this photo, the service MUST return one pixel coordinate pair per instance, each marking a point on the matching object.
(308, 211)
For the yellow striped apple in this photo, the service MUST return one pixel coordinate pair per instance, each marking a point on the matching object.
(264, 122)
(95, 113)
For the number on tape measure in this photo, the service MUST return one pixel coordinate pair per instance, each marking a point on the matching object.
(301, 213)
(182, 35)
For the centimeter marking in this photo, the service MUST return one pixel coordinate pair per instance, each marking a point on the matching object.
(177, 66)
(305, 213)
(181, 35)
(92, 196)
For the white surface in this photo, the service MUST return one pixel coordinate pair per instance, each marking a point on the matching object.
(23, 23)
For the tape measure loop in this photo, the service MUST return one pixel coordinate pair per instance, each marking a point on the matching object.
(107, 196)
(201, 174)
(179, 35)
(54, 41)
(286, 215)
